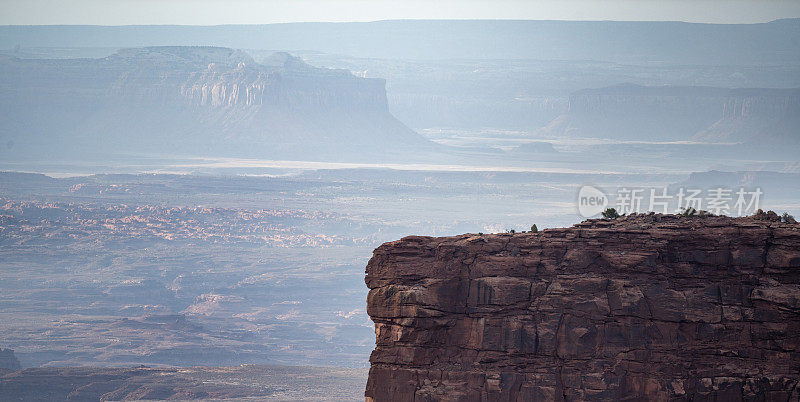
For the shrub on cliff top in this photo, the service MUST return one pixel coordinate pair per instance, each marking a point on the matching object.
(610, 213)
(534, 229)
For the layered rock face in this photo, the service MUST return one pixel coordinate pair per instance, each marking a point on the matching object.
(649, 307)
(757, 115)
(633, 112)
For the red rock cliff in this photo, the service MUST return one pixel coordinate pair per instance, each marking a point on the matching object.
(644, 308)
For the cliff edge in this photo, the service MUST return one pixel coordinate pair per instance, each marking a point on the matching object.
(648, 307)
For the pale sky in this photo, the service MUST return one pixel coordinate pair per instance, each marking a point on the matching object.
(213, 12)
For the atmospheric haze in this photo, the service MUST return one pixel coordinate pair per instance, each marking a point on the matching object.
(209, 195)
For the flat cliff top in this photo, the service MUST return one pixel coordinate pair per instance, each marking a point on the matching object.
(624, 243)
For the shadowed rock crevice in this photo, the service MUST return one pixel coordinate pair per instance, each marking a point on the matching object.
(649, 307)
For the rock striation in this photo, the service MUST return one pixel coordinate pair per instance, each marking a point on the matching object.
(647, 307)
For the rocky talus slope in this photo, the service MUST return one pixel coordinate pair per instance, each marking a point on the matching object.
(649, 307)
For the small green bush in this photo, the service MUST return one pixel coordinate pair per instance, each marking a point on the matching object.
(610, 213)
(534, 229)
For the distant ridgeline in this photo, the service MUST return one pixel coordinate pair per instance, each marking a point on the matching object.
(8, 360)
(645, 42)
(194, 101)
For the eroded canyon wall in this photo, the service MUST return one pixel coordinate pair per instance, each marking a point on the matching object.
(647, 308)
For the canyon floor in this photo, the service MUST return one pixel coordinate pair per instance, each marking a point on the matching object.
(241, 383)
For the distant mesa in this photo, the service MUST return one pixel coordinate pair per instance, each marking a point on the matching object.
(8, 360)
(206, 101)
(182, 56)
(672, 113)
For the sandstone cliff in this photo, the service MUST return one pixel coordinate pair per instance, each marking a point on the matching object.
(646, 308)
